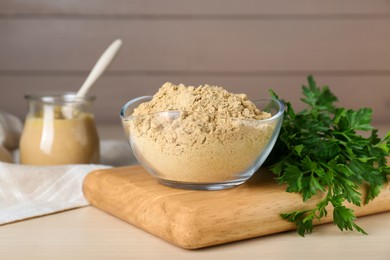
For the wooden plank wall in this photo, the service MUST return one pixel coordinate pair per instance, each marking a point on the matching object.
(245, 46)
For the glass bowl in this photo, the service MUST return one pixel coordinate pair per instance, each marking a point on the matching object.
(187, 157)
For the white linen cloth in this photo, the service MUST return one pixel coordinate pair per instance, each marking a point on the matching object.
(10, 129)
(31, 191)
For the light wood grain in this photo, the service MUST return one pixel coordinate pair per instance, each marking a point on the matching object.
(187, 7)
(114, 91)
(195, 219)
(89, 233)
(246, 46)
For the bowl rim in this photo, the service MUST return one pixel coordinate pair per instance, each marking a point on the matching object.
(279, 113)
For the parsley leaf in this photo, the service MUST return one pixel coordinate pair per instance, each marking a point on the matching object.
(319, 149)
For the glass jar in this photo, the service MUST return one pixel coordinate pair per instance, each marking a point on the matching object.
(59, 129)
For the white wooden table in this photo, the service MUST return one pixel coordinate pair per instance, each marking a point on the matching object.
(88, 233)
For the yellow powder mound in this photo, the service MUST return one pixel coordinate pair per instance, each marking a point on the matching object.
(209, 135)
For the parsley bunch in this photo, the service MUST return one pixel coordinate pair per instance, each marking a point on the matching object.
(320, 150)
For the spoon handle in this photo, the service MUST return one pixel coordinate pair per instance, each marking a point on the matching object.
(100, 66)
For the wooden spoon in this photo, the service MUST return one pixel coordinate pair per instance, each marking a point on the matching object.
(100, 66)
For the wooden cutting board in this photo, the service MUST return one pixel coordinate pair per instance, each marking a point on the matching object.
(194, 219)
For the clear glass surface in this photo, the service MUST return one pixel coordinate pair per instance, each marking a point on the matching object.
(59, 129)
(207, 165)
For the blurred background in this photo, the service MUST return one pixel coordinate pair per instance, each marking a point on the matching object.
(246, 46)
